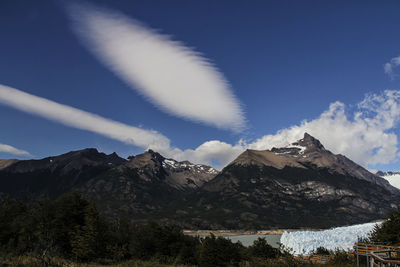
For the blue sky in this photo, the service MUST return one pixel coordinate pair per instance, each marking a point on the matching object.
(285, 62)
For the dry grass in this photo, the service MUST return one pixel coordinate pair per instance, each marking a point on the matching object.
(32, 261)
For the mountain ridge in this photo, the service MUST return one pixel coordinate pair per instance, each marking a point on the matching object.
(300, 185)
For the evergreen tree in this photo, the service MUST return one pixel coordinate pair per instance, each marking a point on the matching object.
(85, 238)
(389, 231)
(12, 220)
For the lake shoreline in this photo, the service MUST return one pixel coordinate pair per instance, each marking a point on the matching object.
(203, 233)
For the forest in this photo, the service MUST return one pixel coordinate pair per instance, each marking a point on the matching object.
(71, 230)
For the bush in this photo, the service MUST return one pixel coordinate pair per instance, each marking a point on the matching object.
(321, 251)
(341, 258)
(219, 252)
(261, 249)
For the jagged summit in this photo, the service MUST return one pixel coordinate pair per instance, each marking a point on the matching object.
(179, 174)
(307, 153)
(290, 155)
(309, 142)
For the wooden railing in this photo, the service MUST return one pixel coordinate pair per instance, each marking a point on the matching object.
(385, 258)
(379, 255)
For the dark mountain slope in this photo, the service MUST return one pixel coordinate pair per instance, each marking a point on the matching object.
(55, 175)
(301, 185)
(140, 188)
(145, 186)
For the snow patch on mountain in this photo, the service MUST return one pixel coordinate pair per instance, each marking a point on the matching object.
(301, 148)
(392, 177)
(171, 163)
(304, 242)
(393, 180)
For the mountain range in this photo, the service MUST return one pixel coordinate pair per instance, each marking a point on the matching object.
(302, 185)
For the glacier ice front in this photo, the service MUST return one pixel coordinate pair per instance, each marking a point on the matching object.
(304, 242)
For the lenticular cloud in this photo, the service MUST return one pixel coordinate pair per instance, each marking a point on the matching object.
(80, 119)
(12, 150)
(173, 77)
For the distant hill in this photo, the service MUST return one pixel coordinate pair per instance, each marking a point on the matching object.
(300, 185)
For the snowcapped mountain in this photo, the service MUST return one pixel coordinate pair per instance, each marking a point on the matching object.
(392, 177)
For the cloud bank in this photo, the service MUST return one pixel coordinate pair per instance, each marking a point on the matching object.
(366, 136)
(172, 76)
(83, 120)
(388, 67)
(12, 150)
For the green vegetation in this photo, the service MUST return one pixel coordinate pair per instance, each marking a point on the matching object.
(388, 232)
(69, 231)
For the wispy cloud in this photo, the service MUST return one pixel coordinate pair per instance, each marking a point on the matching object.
(173, 77)
(388, 67)
(366, 136)
(12, 150)
(80, 119)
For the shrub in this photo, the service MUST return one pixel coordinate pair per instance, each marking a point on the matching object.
(219, 251)
(261, 249)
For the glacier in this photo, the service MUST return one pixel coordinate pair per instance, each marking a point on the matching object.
(343, 238)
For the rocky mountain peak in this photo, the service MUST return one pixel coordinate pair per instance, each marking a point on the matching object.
(155, 155)
(310, 143)
(308, 153)
(178, 174)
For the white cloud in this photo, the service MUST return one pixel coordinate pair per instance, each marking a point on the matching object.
(82, 120)
(12, 150)
(366, 136)
(388, 67)
(172, 76)
(214, 152)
